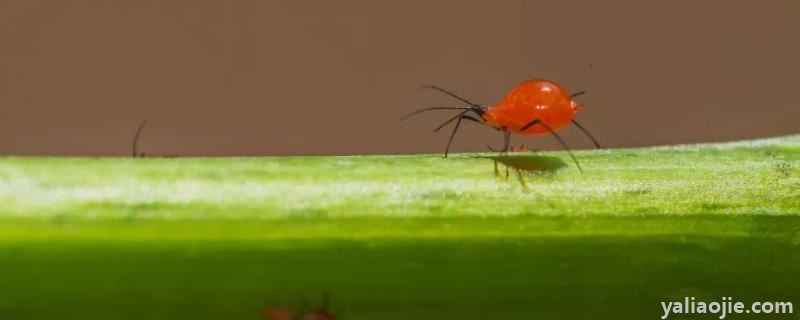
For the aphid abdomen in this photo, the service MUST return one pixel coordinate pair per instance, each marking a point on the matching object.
(534, 99)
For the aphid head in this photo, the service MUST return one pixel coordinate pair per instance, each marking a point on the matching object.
(471, 107)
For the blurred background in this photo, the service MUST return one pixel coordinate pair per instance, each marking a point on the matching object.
(284, 77)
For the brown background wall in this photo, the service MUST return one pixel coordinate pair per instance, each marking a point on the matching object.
(247, 77)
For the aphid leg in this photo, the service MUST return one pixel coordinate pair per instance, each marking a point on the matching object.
(458, 119)
(506, 145)
(135, 146)
(506, 140)
(452, 135)
(587, 133)
(561, 141)
(430, 109)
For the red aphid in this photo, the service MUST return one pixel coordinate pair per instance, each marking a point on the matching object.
(533, 107)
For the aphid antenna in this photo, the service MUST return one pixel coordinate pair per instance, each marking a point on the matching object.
(579, 93)
(135, 145)
(431, 109)
(473, 107)
(450, 93)
(478, 109)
